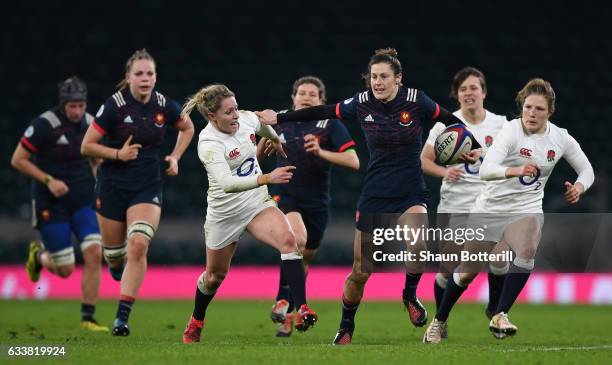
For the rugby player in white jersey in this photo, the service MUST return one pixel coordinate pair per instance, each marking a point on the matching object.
(461, 183)
(238, 200)
(518, 165)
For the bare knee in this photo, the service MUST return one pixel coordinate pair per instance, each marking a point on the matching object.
(93, 256)
(464, 278)
(287, 242)
(300, 239)
(137, 247)
(214, 279)
(358, 277)
(527, 252)
(64, 271)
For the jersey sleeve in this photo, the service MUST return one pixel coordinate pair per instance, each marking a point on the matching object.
(429, 108)
(434, 132)
(173, 112)
(492, 168)
(579, 162)
(347, 110)
(106, 116)
(339, 137)
(36, 135)
(212, 155)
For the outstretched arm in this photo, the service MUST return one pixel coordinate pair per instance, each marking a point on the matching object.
(312, 113)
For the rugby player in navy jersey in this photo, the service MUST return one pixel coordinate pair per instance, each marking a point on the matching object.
(392, 117)
(312, 147)
(128, 191)
(63, 194)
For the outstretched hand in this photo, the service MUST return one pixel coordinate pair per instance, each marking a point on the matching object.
(271, 147)
(267, 116)
(281, 175)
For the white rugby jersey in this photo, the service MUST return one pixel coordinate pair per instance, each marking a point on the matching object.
(232, 167)
(459, 196)
(514, 147)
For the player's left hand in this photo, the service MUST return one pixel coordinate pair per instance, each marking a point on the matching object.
(275, 146)
(172, 169)
(312, 144)
(572, 192)
(472, 156)
(267, 116)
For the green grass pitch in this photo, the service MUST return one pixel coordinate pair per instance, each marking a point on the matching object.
(240, 332)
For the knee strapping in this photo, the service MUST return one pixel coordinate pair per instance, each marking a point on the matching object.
(63, 257)
(499, 270)
(141, 227)
(457, 279)
(291, 256)
(441, 280)
(202, 287)
(526, 264)
(114, 253)
(90, 240)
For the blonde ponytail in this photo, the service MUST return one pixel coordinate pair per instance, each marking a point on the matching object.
(206, 100)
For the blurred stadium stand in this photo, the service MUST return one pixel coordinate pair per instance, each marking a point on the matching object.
(258, 51)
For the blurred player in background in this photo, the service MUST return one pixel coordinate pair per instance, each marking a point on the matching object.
(461, 183)
(392, 117)
(128, 191)
(63, 194)
(313, 147)
(517, 167)
(238, 201)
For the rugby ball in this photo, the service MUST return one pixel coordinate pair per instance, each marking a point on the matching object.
(454, 141)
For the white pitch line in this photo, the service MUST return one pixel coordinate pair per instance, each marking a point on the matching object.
(568, 348)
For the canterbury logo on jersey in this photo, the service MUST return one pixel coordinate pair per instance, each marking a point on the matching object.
(322, 123)
(62, 140)
(363, 97)
(525, 152)
(369, 118)
(234, 154)
(128, 119)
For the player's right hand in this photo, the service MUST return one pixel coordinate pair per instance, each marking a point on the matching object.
(58, 188)
(453, 174)
(529, 169)
(267, 116)
(281, 175)
(128, 151)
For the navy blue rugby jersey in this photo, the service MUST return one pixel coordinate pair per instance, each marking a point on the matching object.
(122, 116)
(55, 143)
(311, 179)
(393, 132)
